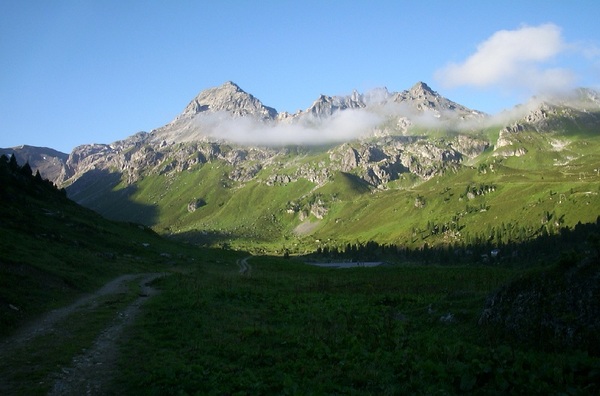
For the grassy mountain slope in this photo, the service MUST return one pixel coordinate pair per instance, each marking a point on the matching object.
(53, 249)
(528, 192)
(512, 183)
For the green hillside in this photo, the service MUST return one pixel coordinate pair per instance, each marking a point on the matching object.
(495, 197)
(54, 250)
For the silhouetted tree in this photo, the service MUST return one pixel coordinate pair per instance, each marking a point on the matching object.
(12, 163)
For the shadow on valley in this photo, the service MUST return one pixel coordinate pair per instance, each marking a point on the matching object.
(207, 238)
(568, 244)
(100, 191)
(553, 305)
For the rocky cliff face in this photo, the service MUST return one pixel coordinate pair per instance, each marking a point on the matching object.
(187, 141)
(544, 117)
(326, 106)
(417, 100)
(422, 98)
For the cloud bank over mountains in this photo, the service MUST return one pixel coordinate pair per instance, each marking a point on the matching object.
(517, 60)
(340, 127)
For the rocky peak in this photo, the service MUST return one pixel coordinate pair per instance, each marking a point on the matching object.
(421, 89)
(376, 96)
(327, 105)
(423, 99)
(229, 98)
(47, 161)
(230, 85)
(582, 99)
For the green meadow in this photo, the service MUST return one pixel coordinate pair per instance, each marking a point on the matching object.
(285, 327)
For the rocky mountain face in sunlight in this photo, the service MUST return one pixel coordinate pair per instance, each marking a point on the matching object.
(378, 136)
(381, 152)
(228, 98)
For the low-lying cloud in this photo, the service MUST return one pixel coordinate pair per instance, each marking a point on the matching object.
(514, 59)
(342, 126)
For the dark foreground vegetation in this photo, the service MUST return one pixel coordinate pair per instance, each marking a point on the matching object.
(53, 250)
(432, 321)
(569, 244)
(289, 328)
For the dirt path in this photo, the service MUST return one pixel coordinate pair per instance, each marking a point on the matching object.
(245, 268)
(90, 372)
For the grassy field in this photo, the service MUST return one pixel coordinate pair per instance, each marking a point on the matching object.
(289, 328)
(53, 250)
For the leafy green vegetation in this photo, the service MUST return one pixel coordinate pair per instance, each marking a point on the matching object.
(53, 250)
(289, 328)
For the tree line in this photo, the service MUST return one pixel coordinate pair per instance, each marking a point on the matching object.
(13, 177)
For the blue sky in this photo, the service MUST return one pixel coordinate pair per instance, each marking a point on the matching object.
(76, 72)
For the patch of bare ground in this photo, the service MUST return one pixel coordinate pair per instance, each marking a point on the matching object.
(306, 227)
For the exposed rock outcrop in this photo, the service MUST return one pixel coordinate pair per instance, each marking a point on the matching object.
(394, 147)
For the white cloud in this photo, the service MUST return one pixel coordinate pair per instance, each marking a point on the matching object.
(513, 59)
(340, 127)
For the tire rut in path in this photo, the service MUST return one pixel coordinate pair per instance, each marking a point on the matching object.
(92, 371)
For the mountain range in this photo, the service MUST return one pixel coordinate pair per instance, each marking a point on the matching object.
(393, 167)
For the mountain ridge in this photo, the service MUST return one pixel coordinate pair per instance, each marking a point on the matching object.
(228, 102)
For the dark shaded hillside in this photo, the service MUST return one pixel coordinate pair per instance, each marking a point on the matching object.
(49, 162)
(52, 249)
(570, 243)
(555, 309)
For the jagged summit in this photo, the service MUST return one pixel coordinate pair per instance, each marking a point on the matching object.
(202, 117)
(231, 85)
(230, 98)
(421, 88)
(327, 105)
(583, 98)
(419, 99)
(424, 99)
